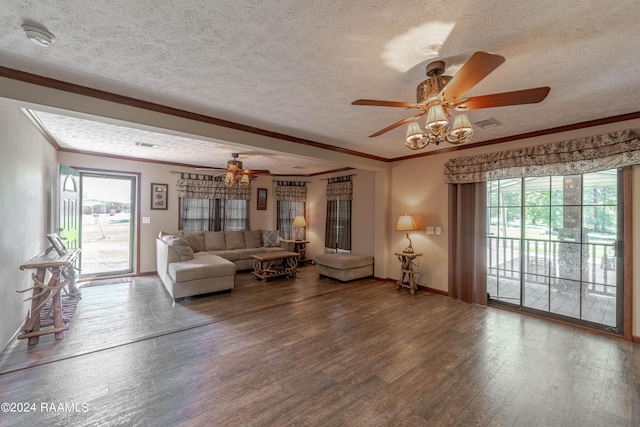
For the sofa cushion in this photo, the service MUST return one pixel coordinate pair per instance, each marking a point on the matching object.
(180, 246)
(195, 239)
(214, 241)
(252, 239)
(270, 239)
(235, 239)
(202, 266)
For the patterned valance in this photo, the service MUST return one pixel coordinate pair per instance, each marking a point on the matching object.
(291, 191)
(196, 186)
(576, 156)
(340, 188)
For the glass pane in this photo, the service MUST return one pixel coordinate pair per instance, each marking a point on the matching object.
(536, 222)
(602, 264)
(601, 188)
(599, 305)
(510, 223)
(557, 190)
(569, 221)
(509, 254)
(508, 287)
(572, 190)
(510, 192)
(492, 221)
(569, 261)
(601, 223)
(537, 191)
(492, 193)
(536, 292)
(565, 298)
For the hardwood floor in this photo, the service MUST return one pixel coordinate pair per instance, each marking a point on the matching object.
(313, 352)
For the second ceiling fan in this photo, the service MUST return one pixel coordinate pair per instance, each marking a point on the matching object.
(234, 174)
(439, 94)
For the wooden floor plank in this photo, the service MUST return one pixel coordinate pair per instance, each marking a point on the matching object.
(314, 351)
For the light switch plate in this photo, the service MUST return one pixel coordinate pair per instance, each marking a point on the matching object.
(429, 230)
(146, 220)
(438, 231)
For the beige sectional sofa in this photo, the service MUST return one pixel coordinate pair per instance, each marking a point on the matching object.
(202, 262)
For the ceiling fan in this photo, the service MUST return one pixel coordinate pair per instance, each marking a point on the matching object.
(234, 174)
(438, 95)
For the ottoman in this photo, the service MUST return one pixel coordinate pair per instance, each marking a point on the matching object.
(344, 266)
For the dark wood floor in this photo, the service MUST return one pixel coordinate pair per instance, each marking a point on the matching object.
(313, 352)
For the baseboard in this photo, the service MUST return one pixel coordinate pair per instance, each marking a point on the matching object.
(432, 290)
(635, 339)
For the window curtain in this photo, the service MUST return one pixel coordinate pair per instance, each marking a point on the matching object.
(291, 197)
(467, 243)
(572, 157)
(467, 178)
(196, 186)
(338, 228)
(206, 203)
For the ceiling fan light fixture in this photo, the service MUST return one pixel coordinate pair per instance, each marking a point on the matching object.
(437, 120)
(39, 36)
(461, 131)
(413, 132)
(245, 180)
(230, 179)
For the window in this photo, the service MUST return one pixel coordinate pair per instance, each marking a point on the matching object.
(213, 214)
(287, 211)
(338, 232)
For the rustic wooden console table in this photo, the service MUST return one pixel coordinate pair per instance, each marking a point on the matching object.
(62, 275)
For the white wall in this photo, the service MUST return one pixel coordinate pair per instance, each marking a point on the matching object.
(27, 185)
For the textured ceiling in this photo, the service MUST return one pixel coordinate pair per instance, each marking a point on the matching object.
(295, 66)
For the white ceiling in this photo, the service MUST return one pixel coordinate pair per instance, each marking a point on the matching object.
(295, 66)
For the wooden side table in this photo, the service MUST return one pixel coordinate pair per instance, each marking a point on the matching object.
(406, 277)
(62, 275)
(299, 246)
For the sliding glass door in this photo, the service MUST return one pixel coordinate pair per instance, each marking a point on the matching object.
(554, 246)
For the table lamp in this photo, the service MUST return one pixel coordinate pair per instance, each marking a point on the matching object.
(406, 223)
(299, 222)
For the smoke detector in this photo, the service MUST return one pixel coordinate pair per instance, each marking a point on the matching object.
(39, 36)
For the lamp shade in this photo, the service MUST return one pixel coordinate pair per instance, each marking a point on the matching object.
(299, 221)
(405, 223)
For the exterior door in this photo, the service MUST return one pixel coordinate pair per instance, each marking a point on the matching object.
(554, 246)
(69, 207)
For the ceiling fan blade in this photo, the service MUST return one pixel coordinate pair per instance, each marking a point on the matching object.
(257, 171)
(479, 66)
(396, 124)
(211, 169)
(377, 103)
(525, 96)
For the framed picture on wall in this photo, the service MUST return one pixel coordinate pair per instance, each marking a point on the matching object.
(159, 194)
(262, 199)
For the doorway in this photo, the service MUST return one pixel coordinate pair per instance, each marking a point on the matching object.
(554, 246)
(107, 227)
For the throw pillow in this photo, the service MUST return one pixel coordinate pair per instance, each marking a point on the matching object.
(196, 240)
(270, 239)
(182, 248)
